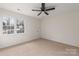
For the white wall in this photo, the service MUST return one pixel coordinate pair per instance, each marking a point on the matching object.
(63, 27)
(31, 30)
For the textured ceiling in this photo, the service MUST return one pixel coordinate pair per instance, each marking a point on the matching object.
(26, 8)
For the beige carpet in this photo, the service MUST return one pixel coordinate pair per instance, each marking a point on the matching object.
(40, 47)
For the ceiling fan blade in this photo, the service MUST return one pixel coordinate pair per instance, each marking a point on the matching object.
(46, 13)
(50, 9)
(36, 10)
(43, 5)
(39, 13)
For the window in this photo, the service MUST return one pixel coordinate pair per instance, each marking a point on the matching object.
(12, 25)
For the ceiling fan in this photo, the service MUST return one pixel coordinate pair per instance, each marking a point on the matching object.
(44, 9)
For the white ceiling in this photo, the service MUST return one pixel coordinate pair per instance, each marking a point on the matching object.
(26, 8)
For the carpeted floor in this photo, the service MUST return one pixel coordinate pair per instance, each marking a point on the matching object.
(40, 47)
